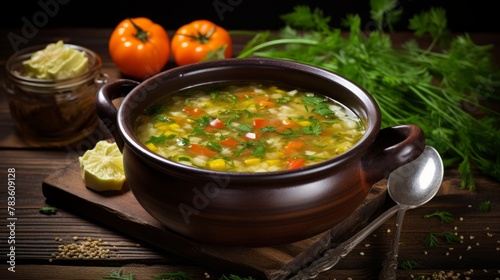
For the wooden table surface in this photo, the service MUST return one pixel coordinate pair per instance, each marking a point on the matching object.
(37, 236)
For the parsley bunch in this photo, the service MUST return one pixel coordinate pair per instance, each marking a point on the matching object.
(441, 88)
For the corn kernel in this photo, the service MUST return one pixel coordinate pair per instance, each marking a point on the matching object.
(152, 147)
(175, 126)
(273, 161)
(217, 164)
(161, 126)
(304, 123)
(252, 161)
(168, 133)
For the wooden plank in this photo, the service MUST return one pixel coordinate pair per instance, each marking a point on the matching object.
(122, 212)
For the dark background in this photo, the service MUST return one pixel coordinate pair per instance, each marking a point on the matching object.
(463, 16)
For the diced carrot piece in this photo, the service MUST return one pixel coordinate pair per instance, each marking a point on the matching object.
(260, 123)
(243, 95)
(295, 163)
(202, 151)
(289, 123)
(292, 146)
(284, 125)
(268, 104)
(193, 112)
(229, 142)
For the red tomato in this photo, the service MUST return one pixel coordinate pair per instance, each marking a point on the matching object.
(217, 123)
(139, 47)
(295, 163)
(200, 40)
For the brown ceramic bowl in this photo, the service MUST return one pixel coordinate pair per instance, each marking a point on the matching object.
(254, 209)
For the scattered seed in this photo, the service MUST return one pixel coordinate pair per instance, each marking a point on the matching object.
(87, 248)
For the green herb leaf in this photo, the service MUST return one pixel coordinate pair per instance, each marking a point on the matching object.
(485, 206)
(214, 146)
(268, 128)
(118, 275)
(445, 216)
(408, 265)
(431, 241)
(175, 275)
(159, 139)
(183, 141)
(314, 129)
(303, 17)
(385, 13)
(433, 22)
(450, 237)
(283, 100)
(48, 210)
(244, 128)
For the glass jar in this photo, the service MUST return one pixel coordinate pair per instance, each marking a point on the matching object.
(53, 112)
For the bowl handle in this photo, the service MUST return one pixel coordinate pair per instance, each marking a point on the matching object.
(393, 147)
(106, 109)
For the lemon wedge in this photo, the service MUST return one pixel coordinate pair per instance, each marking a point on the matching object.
(102, 167)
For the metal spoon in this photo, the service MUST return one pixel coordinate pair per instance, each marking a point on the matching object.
(410, 186)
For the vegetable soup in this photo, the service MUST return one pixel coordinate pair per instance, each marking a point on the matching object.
(248, 127)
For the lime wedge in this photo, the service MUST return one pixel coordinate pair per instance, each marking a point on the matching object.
(102, 167)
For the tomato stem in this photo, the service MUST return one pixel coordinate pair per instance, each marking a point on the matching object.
(203, 38)
(141, 34)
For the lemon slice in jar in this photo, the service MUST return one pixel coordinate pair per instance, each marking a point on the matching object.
(102, 167)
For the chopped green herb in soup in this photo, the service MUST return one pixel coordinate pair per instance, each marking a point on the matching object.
(248, 128)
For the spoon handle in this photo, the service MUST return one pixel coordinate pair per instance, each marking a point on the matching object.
(390, 264)
(332, 256)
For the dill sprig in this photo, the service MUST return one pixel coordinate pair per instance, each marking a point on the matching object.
(432, 239)
(445, 216)
(174, 275)
(408, 265)
(485, 206)
(118, 275)
(442, 91)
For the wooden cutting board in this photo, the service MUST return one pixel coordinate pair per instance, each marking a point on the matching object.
(121, 211)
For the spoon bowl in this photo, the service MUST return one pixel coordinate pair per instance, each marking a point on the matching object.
(417, 182)
(410, 186)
